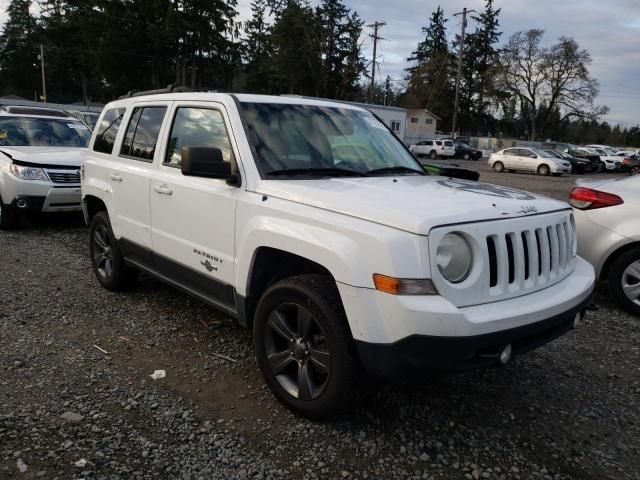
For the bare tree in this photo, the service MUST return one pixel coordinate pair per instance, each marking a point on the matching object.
(549, 82)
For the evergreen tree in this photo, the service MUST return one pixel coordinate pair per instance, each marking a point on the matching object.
(430, 78)
(342, 62)
(19, 68)
(296, 50)
(258, 50)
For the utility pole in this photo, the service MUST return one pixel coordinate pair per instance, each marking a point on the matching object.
(376, 25)
(44, 83)
(460, 53)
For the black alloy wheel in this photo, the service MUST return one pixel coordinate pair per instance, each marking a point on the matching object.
(106, 257)
(304, 346)
(297, 351)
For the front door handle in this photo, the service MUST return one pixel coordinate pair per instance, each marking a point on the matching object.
(115, 178)
(162, 189)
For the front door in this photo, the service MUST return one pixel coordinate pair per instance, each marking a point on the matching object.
(192, 218)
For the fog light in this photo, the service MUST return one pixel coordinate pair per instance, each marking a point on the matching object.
(505, 354)
(22, 203)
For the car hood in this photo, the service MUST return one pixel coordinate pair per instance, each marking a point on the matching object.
(415, 204)
(62, 156)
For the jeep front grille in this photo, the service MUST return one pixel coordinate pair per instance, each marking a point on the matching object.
(512, 257)
(530, 257)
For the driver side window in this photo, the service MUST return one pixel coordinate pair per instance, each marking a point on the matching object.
(197, 127)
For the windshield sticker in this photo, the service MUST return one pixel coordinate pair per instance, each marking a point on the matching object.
(4, 134)
(486, 189)
(77, 126)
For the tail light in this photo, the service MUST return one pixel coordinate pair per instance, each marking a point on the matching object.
(588, 199)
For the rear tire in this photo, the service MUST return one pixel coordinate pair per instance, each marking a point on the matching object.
(624, 281)
(8, 216)
(304, 346)
(106, 258)
(498, 167)
(433, 155)
(635, 170)
(466, 156)
(544, 170)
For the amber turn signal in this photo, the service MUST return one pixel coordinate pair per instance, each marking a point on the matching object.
(403, 286)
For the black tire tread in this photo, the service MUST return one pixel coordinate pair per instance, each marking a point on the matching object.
(124, 277)
(325, 302)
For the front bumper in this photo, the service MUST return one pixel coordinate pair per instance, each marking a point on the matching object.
(42, 196)
(421, 352)
(425, 324)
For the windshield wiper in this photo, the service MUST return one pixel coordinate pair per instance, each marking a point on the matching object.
(323, 171)
(396, 169)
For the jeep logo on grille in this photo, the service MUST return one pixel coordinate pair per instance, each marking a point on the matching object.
(486, 189)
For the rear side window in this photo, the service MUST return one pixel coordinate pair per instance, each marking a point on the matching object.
(448, 143)
(438, 142)
(108, 130)
(141, 138)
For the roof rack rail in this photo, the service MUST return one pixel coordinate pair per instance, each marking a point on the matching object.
(171, 88)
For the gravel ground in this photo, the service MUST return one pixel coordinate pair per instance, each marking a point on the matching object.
(77, 399)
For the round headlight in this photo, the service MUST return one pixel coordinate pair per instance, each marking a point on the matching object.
(454, 257)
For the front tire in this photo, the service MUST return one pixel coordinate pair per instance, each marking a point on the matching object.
(635, 171)
(304, 346)
(106, 258)
(498, 167)
(8, 216)
(624, 280)
(544, 170)
(466, 156)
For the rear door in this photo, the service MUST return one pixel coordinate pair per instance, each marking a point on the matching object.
(510, 158)
(193, 218)
(129, 175)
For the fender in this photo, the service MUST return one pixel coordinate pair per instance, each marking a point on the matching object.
(100, 189)
(344, 245)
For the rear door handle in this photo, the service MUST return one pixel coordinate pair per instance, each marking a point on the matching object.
(162, 189)
(115, 178)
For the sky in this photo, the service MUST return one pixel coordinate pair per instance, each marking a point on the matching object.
(609, 30)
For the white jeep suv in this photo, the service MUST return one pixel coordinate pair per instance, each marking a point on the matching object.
(41, 151)
(310, 223)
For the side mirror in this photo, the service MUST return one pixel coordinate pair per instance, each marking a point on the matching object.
(206, 162)
(533, 155)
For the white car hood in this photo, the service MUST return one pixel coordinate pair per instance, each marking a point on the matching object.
(61, 156)
(415, 204)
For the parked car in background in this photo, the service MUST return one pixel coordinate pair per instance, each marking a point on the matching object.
(433, 149)
(89, 118)
(41, 151)
(464, 151)
(452, 170)
(578, 165)
(584, 154)
(608, 226)
(631, 165)
(609, 159)
(528, 160)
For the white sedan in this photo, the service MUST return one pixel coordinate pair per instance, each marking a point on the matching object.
(608, 225)
(528, 160)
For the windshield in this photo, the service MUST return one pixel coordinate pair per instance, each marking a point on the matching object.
(37, 132)
(543, 153)
(330, 140)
